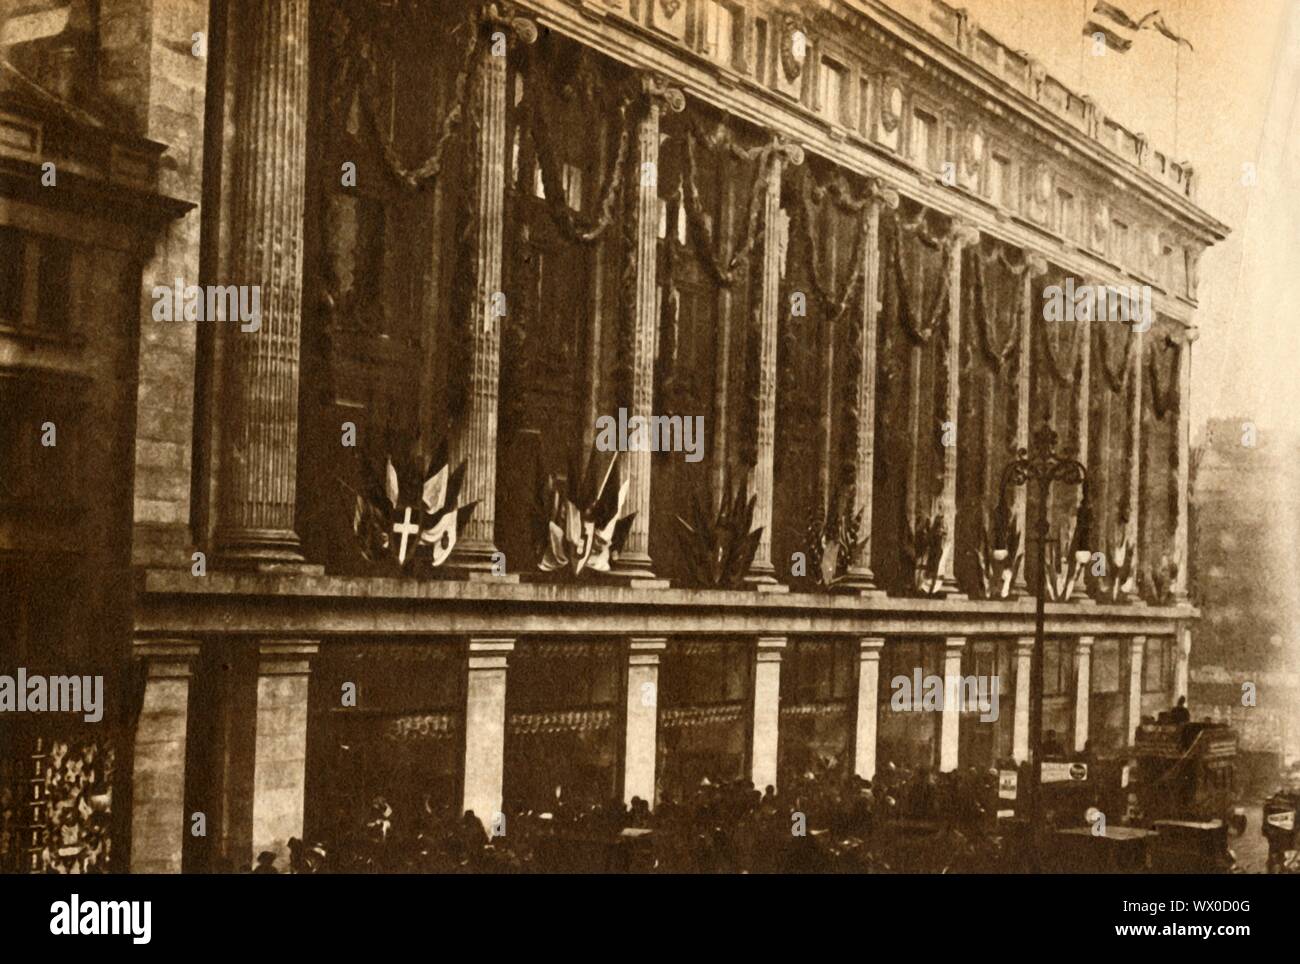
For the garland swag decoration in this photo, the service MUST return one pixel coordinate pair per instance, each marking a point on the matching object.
(1061, 374)
(422, 174)
(811, 197)
(723, 269)
(908, 313)
(996, 356)
(566, 219)
(1116, 378)
(1164, 399)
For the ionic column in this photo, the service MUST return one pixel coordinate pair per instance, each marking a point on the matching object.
(474, 435)
(1082, 689)
(158, 819)
(961, 236)
(1184, 475)
(1037, 267)
(950, 721)
(1133, 713)
(485, 725)
(864, 757)
(860, 577)
(1024, 681)
(259, 388)
(641, 325)
(761, 571)
(280, 746)
(639, 746)
(767, 709)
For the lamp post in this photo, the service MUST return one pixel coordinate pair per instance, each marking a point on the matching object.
(1042, 465)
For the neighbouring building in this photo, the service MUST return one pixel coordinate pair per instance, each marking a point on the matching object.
(1246, 494)
(828, 230)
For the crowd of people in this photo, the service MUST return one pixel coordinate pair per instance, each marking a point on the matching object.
(824, 820)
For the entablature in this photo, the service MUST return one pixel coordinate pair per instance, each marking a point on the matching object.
(959, 125)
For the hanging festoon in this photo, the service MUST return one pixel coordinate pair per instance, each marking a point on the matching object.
(581, 525)
(407, 517)
(724, 267)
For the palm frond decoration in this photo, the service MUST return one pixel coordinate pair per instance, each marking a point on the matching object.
(719, 546)
(1118, 578)
(926, 546)
(999, 553)
(1066, 560)
(1160, 581)
(581, 520)
(408, 510)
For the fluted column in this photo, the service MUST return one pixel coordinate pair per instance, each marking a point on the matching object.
(474, 433)
(860, 577)
(1184, 474)
(1033, 316)
(1082, 690)
(864, 756)
(1024, 682)
(641, 323)
(158, 819)
(761, 571)
(1133, 710)
(767, 710)
(961, 236)
(259, 404)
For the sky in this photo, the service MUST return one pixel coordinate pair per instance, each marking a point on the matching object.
(1229, 102)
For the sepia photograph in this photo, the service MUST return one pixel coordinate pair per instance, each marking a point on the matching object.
(618, 439)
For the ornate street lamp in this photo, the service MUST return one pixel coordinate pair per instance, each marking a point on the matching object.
(1042, 465)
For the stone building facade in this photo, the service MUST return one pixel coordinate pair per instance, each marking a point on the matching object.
(828, 230)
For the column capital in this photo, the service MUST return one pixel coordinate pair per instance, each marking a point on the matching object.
(1025, 646)
(646, 650)
(660, 92)
(870, 647)
(1036, 264)
(1137, 644)
(285, 657)
(1083, 644)
(484, 652)
(953, 644)
(962, 234)
(787, 150)
(503, 16)
(165, 648)
(770, 648)
(882, 194)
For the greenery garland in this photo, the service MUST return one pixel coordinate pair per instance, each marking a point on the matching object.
(415, 178)
(1115, 380)
(724, 270)
(811, 197)
(918, 335)
(995, 358)
(557, 203)
(1163, 400)
(1061, 375)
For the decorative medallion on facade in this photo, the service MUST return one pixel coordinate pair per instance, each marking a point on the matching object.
(891, 107)
(794, 48)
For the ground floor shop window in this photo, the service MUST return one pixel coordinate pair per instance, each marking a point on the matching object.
(908, 733)
(563, 724)
(705, 693)
(818, 702)
(385, 746)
